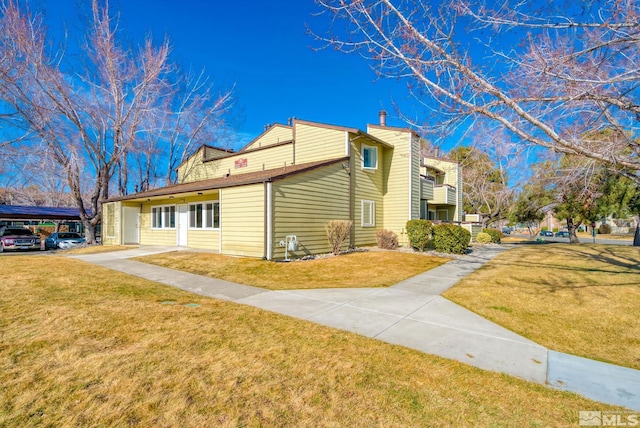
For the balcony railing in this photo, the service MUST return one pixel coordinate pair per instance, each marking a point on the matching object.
(443, 194)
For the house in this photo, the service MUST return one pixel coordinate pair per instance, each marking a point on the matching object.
(284, 186)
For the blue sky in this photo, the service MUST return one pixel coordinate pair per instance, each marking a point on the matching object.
(261, 48)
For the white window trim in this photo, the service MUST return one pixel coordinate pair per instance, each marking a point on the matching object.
(372, 206)
(369, 168)
(203, 203)
(175, 213)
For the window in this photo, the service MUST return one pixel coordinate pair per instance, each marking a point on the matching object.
(204, 215)
(369, 157)
(368, 213)
(163, 217)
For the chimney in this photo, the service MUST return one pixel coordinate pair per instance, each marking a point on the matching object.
(383, 118)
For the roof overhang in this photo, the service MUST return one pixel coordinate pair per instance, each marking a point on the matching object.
(204, 187)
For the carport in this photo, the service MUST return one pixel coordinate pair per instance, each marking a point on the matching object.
(34, 215)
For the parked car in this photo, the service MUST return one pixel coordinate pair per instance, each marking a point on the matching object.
(546, 233)
(18, 238)
(506, 230)
(562, 234)
(63, 240)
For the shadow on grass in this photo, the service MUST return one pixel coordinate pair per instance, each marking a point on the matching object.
(575, 259)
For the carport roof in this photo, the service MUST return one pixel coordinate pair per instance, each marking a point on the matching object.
(18, 212)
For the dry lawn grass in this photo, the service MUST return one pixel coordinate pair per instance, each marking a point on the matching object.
(359, 269)
(84, 346)
(95, 249)
(583, 300)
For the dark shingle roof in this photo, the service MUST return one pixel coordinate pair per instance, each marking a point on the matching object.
(231, 180)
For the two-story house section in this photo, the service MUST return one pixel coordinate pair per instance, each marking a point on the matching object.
(441, 184)
(288, 182)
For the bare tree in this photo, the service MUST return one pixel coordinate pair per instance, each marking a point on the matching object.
(92, 123)
(546, 72)
(192, 115)
(34, 179)
(488, 174)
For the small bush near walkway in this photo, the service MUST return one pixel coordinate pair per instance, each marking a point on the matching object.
(495, 234)
(337, 233)
(483, 238)
(420, 233)
(387, 240)
(449, 238)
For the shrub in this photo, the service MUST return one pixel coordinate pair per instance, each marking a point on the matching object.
(483, 238)
(337, 233)
(604, 229)
(420, 233)
(495, 234)
(386, 239)
(449, 238)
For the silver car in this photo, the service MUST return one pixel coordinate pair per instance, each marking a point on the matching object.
(63, 240)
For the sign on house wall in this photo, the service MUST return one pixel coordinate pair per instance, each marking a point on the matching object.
(241, 163)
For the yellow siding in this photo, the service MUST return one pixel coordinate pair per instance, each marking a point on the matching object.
(274, 135)
(398, 206)
(212, 152)
(242, 220)
(256, 160)
(444, 195)
(302, 204)
(111, 221)
(369, 185)
(188, 171)
(314, 143)
(204, 239)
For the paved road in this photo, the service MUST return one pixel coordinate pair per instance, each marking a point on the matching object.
(583, 240)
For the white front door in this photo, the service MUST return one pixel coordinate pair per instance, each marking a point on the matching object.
(183, 224)
(131, 226)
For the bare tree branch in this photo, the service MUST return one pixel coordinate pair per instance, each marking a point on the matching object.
(574, 70)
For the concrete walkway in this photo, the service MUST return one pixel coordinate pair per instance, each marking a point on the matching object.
(412, 314)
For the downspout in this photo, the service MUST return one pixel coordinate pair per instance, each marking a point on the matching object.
(411, 154)
(221, 221)
(458, 194)
(268, 220)
(352, 195)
